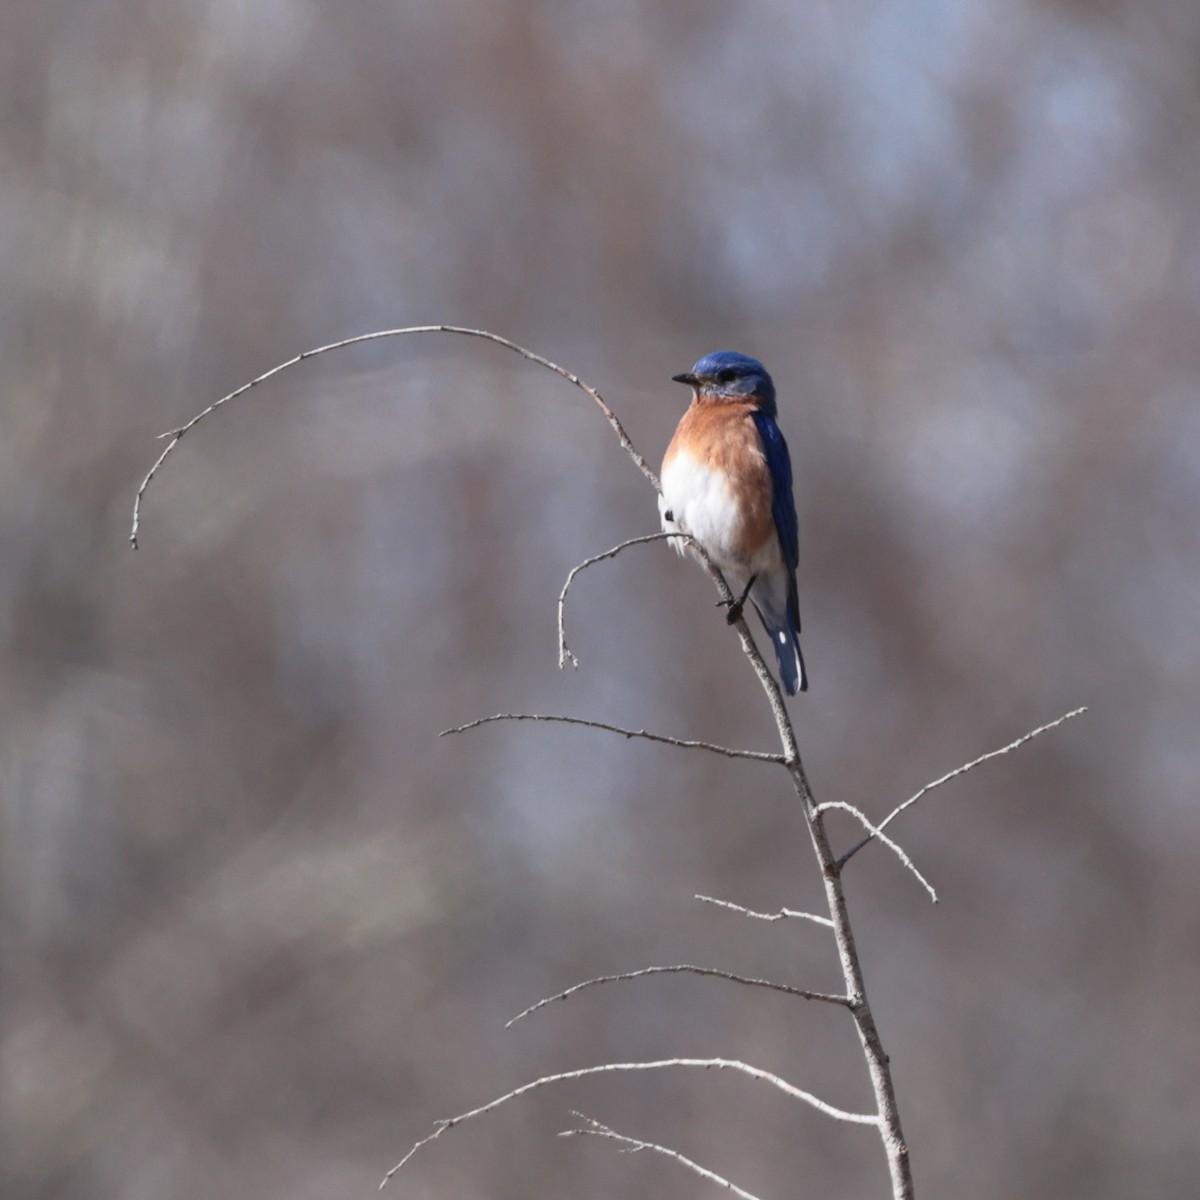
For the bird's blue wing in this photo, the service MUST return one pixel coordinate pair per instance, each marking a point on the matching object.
(783, 505)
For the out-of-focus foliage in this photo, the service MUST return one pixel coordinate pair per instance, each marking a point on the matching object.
(260, 926)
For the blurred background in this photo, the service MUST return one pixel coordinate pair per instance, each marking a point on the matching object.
(260, 926)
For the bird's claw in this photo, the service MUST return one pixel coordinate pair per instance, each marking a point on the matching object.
(734, 615)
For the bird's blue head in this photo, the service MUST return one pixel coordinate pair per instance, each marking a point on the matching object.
(727, 375)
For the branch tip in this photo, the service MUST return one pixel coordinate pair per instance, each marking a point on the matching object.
(564, 653)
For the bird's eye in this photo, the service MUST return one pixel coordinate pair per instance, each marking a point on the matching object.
(726, 376)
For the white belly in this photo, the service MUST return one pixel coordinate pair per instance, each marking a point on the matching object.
(701, 504)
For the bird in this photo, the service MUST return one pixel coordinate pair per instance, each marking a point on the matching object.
(727, 483)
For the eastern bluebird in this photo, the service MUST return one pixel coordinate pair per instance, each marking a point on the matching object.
(727, 481)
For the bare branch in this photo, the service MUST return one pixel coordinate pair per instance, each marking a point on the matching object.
(781, 915)
(176, 435)
(887, 1119)
(883, 837)
(845, 858)
(721, 1064)
(752, 755)
(804, 993)
(596, 1129)
(564, 654)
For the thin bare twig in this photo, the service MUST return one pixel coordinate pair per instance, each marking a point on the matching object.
(174, 436)
(682, 743)
(804, 993)
(781, 915)
(564, 653)
(845, 858)
(721, 1064)
(893, 846)
(596, 1129)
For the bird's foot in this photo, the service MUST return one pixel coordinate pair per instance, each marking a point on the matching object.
(734, 615)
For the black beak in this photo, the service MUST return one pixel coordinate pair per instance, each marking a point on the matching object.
(687, 377)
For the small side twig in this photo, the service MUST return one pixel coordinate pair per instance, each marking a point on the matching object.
(596, 1129)
(781, 915)
(174, 436)
(720, 1064)
(970, 766)
(874, 831)
(682, 743)
(564, 653)
(803, 993)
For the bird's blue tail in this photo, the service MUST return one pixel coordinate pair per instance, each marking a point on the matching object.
(782, 623)
(791, 662)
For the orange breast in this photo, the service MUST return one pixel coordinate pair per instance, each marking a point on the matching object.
(723, 438)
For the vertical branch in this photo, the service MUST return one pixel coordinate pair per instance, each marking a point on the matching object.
(878, 1066)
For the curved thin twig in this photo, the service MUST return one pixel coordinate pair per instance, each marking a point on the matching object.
(176, 435)
(683, 969)
(845, 858)
(596, 1129)
(721, 1064)
(682, 743)
(564, 653)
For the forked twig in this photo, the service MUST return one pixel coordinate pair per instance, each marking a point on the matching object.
(174, 436)
(1013, 745)
(682, 743)
(596, 1129)
(683, 969)
(781, 915)
(564, 653)
(874, 830)
(720, 1064)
